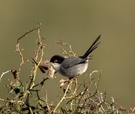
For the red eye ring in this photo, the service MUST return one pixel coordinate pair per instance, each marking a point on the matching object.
(55, 61)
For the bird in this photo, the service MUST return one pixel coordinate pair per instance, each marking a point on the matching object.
(74, 65)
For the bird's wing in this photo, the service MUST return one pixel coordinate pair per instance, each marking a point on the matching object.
(72, 61)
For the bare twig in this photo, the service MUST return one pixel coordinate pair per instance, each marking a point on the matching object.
(64, 96)
(35, 68)
(19, 50)
(70, 52)
(4, 73)
(28, 32)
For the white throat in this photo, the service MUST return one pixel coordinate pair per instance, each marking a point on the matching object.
(56, 66)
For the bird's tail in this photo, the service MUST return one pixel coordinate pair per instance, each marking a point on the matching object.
(92, 47)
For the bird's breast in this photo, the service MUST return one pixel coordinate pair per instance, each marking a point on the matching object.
(74, 70)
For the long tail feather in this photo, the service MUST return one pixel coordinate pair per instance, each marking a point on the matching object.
(92, 47)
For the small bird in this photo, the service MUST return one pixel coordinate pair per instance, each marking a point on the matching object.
(74, 65)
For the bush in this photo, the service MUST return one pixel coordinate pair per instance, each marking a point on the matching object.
(77, 98)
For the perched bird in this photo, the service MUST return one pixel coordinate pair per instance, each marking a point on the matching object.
(74, 65)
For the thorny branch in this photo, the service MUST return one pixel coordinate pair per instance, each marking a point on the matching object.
(18, 48)
(24, 91)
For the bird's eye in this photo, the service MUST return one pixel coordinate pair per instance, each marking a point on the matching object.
(55, 61)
